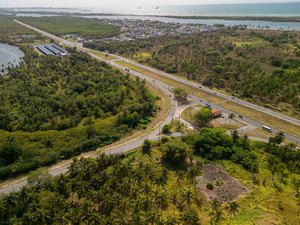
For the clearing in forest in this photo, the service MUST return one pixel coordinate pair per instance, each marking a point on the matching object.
(217, 184)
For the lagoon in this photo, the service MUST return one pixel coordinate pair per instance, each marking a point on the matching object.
(10, 56)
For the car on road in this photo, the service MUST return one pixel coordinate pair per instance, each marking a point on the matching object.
(208, 105)
(200, 87)
(241, 117)
(126, 69)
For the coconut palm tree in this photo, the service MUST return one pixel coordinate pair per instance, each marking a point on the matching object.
(230, 117)
(216, 212)
(232, 209)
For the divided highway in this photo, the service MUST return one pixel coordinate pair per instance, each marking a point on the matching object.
(186, 82)
(55, 170)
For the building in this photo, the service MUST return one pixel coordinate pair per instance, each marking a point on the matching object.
(216, 113)
(44, 50)
(52, 49)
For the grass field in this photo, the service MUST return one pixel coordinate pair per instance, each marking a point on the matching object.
(262, 117)
(88, 28)
(9, 28)
(101, 55)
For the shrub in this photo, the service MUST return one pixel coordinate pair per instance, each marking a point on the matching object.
(166, 129)
(175, 151)
(210, 186)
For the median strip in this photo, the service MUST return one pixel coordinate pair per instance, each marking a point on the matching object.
(251, 113)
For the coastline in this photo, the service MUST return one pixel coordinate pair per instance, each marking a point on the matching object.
(255, 18)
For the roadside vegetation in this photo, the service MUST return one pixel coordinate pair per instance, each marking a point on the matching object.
(63, 25)
(162, 183)
(53, 108)
(238, 108)
(260, 66)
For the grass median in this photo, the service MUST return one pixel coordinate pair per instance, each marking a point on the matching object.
(254, 114)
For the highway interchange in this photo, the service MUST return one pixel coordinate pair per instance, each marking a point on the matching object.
(55, 170)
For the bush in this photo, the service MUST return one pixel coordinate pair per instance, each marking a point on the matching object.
(10, 152)
(208, 139)
(175, 152)
(171, 69)
(203, 117)
(146, 148)
(166, 129)
(210, 186)
(276, 62)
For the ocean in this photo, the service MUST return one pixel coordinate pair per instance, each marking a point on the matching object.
(155, 13)
(261, 9)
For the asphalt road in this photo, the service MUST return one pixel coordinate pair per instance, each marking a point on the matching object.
(219, 94)
(154, 135)
(186, 82)
(16, 185)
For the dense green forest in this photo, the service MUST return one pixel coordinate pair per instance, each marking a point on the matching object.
(56, 107)
(87, 28)
(258, 65)
(158, 184)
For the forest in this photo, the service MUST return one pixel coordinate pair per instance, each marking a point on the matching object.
(261, 66)
(63, 25)
(53, 108)
(158, 184)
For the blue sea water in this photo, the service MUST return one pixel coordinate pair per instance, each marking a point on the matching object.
(155, 13)
(261, 9)
(257, 9)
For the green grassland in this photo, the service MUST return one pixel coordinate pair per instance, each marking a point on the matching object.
(261, 66)
(62, 25)
(156, 185)
(10, 28)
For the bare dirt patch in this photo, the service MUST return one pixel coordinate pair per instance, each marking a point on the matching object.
(217, 184)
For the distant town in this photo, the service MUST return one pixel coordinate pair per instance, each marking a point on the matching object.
(132, 29)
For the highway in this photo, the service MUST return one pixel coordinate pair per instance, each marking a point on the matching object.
(219, 94)
(55, 170)
(186, 82)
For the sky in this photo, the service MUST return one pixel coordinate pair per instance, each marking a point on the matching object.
(100, 3)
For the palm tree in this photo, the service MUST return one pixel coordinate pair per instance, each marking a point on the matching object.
(232, 209)
(230, 117)
(216, 213)
(188, 198)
